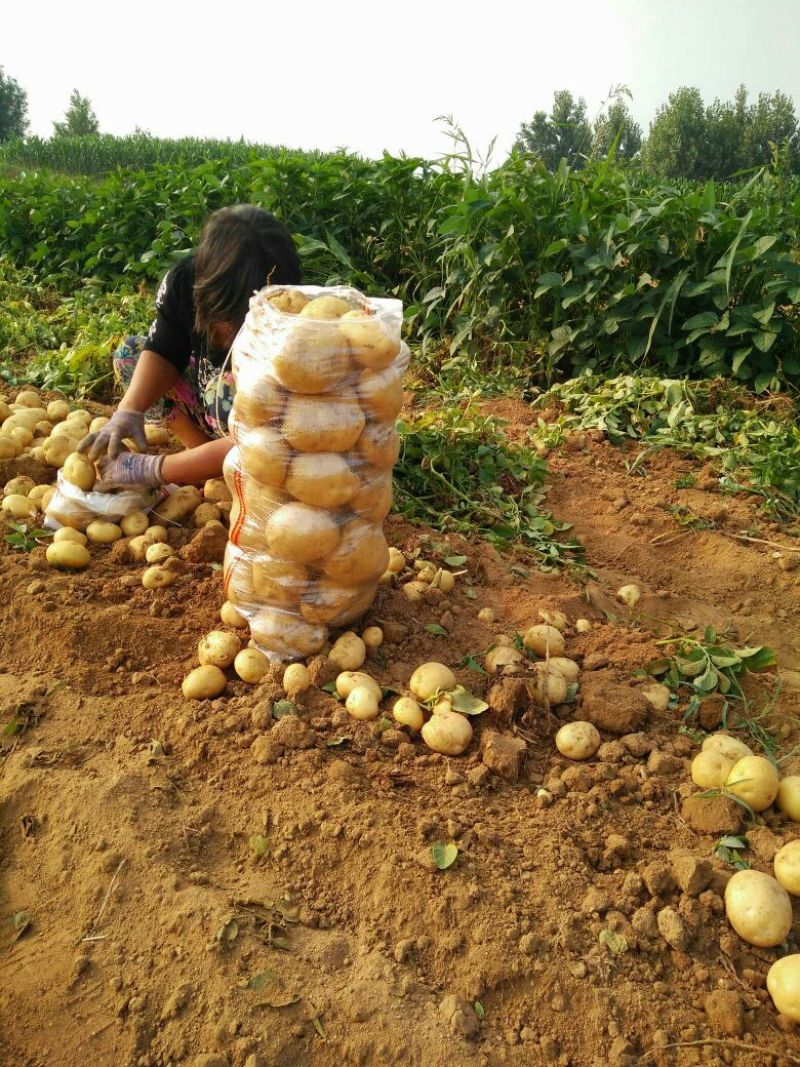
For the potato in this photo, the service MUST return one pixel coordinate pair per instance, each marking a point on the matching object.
(503, 659)
(288, 301)
(544, 640)
(158, 552)
(381, 393)
(135, 523)
(98, 423)
(203, 683)
(448, 733)
(259, 400)
(21, 436)
(413, 591)
(347, 681)
(551, 687)
(296, 679)
(218, 648)
(22, 485)
(325, 307)
(206, 513)
(28, 398)
(81, 415)
(567, 668)
(397, 561)
(370, 345)
(789, 796)
(157, 436)
(361, 704)
(46, 497)
(180, 503)
(19, 506)
(56, 449)
(554, 618)
(710, 769)
(43, 428)
(264, 456)
(444, 580)
(373, 499)
(372, 637)
(287, 635)
(326, 601)
(348, 652)
(407, 712)
(443, 703)
(278, 581)
(155, 533)
(69, 555)
(783, 984)
(323, 479)
(68, 428)
(9, 449)
(787, 867)
(486, 615)
(22, 419)
(755, 780)
(103, 533)
(301, 533)
(231, 617)
(215, 491)
(5, 410)
(758, 908)
(361, 555)
(137, 548)
(323, 424)
(630, 595)
(578, 740)
(314, 358)
(361, 598)
(66, 533)
(430, 679)
(730, 747)
(251, 665)
(158, 577)
(379, 445)
(57, 410)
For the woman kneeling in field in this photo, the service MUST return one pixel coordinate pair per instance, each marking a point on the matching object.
(174, 374)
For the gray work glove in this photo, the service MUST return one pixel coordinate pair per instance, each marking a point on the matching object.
(109, 440)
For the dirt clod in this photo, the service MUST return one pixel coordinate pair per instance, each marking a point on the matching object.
(713, 815)
(725, 1012)
(503, 755)
(616, 708)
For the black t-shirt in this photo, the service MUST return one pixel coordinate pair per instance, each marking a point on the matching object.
(173, 334)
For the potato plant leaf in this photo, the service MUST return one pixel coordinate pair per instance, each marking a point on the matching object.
(455, 561)
(228, 933)
(466, 703)
(444, 854)
(480, 1011)
(259, 845)
(435, 628)
(614, 942)
(283, 707)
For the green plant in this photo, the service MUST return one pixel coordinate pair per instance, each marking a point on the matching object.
(704, 665)
(24, 538)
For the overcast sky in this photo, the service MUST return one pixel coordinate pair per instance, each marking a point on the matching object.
(371, 76)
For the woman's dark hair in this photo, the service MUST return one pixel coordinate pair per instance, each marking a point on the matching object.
(241, 249)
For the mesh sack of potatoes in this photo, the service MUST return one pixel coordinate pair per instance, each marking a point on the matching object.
(319, 383)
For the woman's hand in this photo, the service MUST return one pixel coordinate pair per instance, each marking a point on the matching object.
(130, 468)
(109, 440)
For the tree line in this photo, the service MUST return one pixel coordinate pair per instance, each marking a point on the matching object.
(79, 118)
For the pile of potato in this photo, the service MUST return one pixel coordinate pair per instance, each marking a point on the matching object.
(319, 384)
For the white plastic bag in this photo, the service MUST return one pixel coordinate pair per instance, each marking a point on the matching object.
(71, 506)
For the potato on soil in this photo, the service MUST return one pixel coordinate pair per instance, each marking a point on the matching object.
(361, 555)
(407, 712)
(789, 796)
(22, 436)
(28, 398)
(730, 747)
(264, 456)
(348, 652)
(204, 514)
(289, 636)
(381, 393)
(22, 485)
(710, 769)
(19, 506)
(448, 733)
(324, 424)
(370, 344)
(346, 682)
(379, 445)
(755, 781)
(313, 358)
(554, 618)
(397, 561)
(158, 552)
(783, 984)
(630, 595)
(758, 908)
(544, 640)
(137, 548)
(57, 410)
(567, 668)
(301, 533)
(155, 533)
(180, 503)
(251, 665)
(231, 617)
(9, 449)
(134, 523)
(372, 637)
(322, 478)
(215, 491)
(551, 686)
(578, 740)
(503, 659)
(158, 577)
(413, 591)
(787, 867)
(66, 533)
(203, 683)
(69, 555)
(218, 649)
(296, 679)
(100, 532)
(430, 679)
(362, 704)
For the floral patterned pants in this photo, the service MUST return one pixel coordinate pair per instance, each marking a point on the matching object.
(202, 392)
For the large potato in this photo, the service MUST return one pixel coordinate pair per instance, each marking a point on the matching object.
(22, 436)
(783, 983)
(755, 780)
(259, 400)
(381, 393)
(327, 602)
(578, 740)
(80, 470)
(430, 679)
(288, 636)
(551, 686)
(159, 436)
(710, 769)
(22, 485)
(56, 449)
(9, 449)
(218, 648)
(203, 683)
(544, 640)
(134, 523)
(361, 555)
(28, 398)
(379, 446)
(19, 506)
(447, 732)
(265, 456)
(731, 747)
(370, 344)
(301, 533)
(103, 533)
(158, 577)
(373, 501)
(179, 504)
(204, 514)
(314, 358)
(278, 581)
(362, 704)
(215, 491)
(251, 665)
(288, 301)
(348, 652)
(787, 867)
(323, 424)
(321, 478)
(66, 533)
(325, 308)
(57, 410)
(69, 555)
(789, 796)
(758, 908)
(567, 668)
